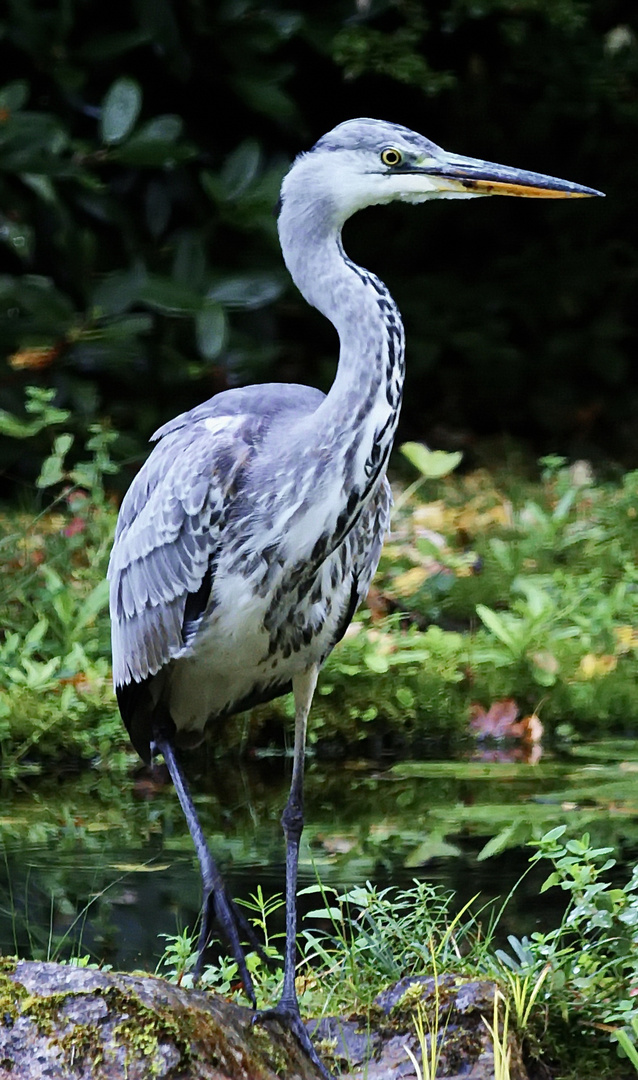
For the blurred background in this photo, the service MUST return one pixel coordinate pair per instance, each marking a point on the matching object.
(142, 147)
(141, 150)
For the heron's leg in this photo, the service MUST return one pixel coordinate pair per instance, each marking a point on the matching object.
(216, 903)
(287, 1008)
(303, 687)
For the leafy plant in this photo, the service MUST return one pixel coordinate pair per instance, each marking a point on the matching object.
(380, 933)
(55, 645)
(589, 962)
(179, 957)
(524, 980)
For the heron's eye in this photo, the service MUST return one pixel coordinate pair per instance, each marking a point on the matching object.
(391, 157)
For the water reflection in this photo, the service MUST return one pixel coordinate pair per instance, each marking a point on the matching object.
(104, 865)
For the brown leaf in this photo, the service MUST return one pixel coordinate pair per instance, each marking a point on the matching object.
(35, 358)
(377, 603)
(497, 722)
(529, 730)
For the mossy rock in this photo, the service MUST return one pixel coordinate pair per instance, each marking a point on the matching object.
(375, 1045)
(70, 1023)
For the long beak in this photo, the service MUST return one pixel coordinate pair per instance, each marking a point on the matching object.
(486, 178)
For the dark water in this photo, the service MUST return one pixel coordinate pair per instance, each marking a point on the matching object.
(103, 864)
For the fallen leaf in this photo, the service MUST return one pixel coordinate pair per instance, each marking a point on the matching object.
(529, 729)
(497, 722)
(377, 603)
(431, 516)
(35, 358)
(407, 583)
(626, 638)
(75, 526)
(592, 667)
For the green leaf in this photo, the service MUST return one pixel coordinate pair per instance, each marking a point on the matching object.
(212, 185)
(553, 834)
(96, 601)
(405, 697)
(62, 444)
(553, 879)
(428, 547)
(433, 847)
(494, 623)
(14, 95)
(153, 153)
(210, 327)
(52, 471)
(325, 913)
(120, 110)
(266, 97)
(18, 429)
(40, 403)
(126, 326)
(627, 1046)
(105, 46)
(430, 463)
(503, 839)
(247, 290)
(189, 264)
(165, 128)
(169, 297)
(118, 291)
(42, 187)
(376, 662)
(41, 297)
(240, 168)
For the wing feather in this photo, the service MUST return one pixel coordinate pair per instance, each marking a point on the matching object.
(166, 539)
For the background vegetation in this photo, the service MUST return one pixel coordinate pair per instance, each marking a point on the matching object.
(142, 146)
(141, 149)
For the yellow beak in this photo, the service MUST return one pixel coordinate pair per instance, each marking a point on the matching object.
(456, 173)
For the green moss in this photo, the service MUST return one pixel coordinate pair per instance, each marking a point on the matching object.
(11, 993)
(140, 1031)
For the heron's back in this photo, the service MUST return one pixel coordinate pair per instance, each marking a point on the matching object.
(226, 576)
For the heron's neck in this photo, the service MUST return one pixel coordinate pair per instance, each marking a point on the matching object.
(360, 414)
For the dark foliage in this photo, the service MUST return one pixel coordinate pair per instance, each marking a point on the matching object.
(141, 149)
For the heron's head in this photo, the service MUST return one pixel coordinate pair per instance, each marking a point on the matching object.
(362, 162)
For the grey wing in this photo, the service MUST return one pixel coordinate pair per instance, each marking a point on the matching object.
(166, 540)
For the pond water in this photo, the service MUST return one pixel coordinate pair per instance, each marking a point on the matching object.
(103, 864)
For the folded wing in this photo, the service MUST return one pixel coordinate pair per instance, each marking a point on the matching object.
(168, 534)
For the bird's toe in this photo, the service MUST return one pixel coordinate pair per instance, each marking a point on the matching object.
(287, 1014)
(218, 908)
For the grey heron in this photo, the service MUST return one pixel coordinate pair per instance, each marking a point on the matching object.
(249, 538)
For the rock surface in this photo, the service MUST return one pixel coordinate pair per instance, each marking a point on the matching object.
(375, 1047)
(69, 1023)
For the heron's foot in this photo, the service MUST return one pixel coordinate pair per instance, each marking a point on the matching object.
(287, 1014)
(218, 907)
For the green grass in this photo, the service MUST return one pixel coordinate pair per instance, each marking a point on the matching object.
(568, 993)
